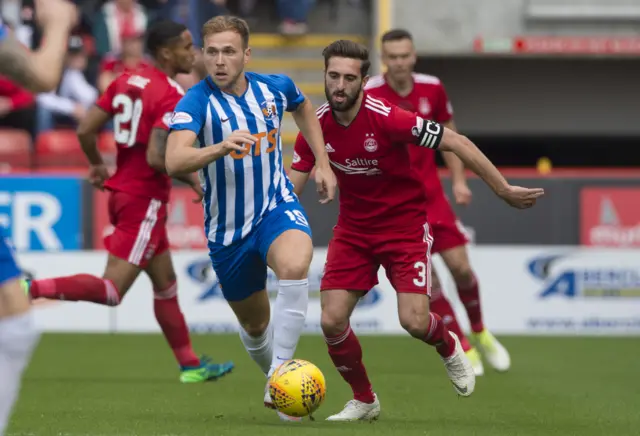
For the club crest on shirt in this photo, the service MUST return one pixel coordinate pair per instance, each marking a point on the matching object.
(269, 109)
(370, 143)
(424, 108)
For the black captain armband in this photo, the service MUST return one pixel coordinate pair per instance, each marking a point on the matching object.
(428, 133)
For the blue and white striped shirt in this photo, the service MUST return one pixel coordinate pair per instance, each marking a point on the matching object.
(244, 186)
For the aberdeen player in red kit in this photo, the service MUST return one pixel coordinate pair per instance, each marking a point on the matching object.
(426, 96)
(140, 103)
(383, 219)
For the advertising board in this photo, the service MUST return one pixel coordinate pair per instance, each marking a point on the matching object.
(42, 213)
(557, 290)
(610, 216)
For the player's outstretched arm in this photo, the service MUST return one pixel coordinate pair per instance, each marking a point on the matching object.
(183, 158)
(475, 160)
(40, 71)
(461, 192)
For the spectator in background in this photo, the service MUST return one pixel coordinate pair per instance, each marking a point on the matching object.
(293, 14)
(69, 104)
(115, 19)
(128, 59)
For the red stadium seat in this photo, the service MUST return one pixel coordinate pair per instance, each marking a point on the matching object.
(15, 149)
(59, 148)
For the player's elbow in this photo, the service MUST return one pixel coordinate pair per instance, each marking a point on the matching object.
(172, 170)
(84, 131)
(171, 166)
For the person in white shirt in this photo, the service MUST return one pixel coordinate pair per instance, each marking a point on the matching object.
(69, 103)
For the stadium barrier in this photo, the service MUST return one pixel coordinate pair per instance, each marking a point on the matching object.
(532, 290)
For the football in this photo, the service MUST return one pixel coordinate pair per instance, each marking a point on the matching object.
(297, 388)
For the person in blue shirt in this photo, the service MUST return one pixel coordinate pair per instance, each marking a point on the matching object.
(252, 217)
(39, 72)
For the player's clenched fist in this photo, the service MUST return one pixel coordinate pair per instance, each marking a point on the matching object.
(236, 141)
(519, 197)
(98, 174)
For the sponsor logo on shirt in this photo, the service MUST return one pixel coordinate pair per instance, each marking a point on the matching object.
(366, 167)
(181, 118)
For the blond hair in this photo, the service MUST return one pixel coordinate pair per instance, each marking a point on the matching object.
(225, 23)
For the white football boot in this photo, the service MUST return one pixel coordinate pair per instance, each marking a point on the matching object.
(356, 410)
(460, 371)
(268, 403)
(493, 351)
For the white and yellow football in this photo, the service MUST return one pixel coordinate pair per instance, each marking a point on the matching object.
(297, 388)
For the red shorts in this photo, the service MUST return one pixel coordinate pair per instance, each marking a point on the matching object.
(139, 228)
(447, 230)
(353, 260)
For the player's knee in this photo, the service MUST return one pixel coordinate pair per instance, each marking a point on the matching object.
(296, 268)
(255, 328)
(333, 323)
(415, 322)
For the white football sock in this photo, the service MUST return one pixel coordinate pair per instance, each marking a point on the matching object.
(288, 318)
(18, 338)
(259, 348)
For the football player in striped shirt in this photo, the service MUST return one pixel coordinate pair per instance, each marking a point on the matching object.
(40, 72)
(140, 103)
(252, 217)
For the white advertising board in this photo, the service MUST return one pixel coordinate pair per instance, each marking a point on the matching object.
(524, 290)
(556, 290)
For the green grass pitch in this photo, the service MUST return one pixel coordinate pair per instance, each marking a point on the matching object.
(124, 385)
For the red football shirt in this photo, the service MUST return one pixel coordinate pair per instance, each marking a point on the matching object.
(429, 99)
(139, 102)
(370, 157)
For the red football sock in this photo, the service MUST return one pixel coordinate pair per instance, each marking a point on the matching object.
(470, 297)
(438, 336)
(173, 325)
(81, 287)
(441, 306)
(346, 353)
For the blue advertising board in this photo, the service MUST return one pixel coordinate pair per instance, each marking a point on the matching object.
(42, 213)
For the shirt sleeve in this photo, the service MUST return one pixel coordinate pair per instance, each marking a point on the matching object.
(303, 157)
(189, 113)
(106, 99)
(165, 111)
(407, 127)
(443, 110)
(290, 91)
